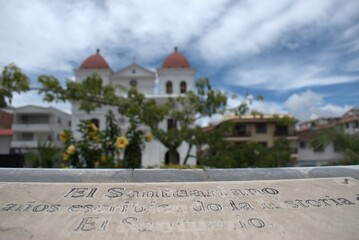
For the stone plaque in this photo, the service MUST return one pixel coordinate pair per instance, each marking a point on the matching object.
(285, 209)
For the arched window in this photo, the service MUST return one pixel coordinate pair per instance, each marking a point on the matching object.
(169, 88)
(183, 87)
(171, 123)
(172, 158)
(133, 83)
(95, 121)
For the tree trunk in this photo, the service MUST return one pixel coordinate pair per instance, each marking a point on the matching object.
(188, 154)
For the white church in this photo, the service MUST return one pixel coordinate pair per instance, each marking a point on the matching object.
(175, 77)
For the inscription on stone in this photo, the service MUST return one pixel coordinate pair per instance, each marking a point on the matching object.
(285, 209)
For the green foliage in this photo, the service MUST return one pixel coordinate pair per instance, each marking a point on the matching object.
(177, 166)
(284, 121)
(12, 80)
(95, 148)
(207, 101)
(249, 154)
(45, 156)
(52, 89)
(90, 93)
(142, 113)
(86, 151)
(108, 137)
(98, 148)
(132, 158)
(186, 110)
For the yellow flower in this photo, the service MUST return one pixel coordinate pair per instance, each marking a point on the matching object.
(149, 137)
(71, 149)
(96, 139)
(103, 158)
(65, 156)
(64, 166)
(97, 163)
(93, 128)
(121, 142)
(65, 136)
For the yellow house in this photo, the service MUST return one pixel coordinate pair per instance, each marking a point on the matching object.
(263, 129)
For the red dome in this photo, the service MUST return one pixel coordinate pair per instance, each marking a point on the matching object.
(94, 62)
(176, 60)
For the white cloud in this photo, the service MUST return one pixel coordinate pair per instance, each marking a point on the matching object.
(265, 107)
(309, 105)
(303, 106)
(254, 26)
(278, 75)
(49, 35)
(52, 35)
(56, 36)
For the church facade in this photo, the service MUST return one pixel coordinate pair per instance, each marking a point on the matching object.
(175, 77)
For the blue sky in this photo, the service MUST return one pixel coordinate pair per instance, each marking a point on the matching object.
(302, 56)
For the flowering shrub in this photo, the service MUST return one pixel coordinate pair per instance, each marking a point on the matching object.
(121, 142)
(103, 149)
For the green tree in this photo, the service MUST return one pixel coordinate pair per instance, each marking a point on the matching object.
(12, 80)
(91, 94)
(184, 110)
(223, 154)
(95, 148)
(44, 156)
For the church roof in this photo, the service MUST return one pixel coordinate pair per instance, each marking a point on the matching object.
(176, 60)
(95, 61)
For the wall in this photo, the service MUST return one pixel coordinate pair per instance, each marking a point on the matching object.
(5, 144)
(307, 156)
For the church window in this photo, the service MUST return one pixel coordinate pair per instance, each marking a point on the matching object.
(183, 87)
(95, 121)
(171, 123)
(169, 87)
(133, 83)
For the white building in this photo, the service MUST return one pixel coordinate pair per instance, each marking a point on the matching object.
(350, 121)
(33, 124)
(323, 155)
(175, 77)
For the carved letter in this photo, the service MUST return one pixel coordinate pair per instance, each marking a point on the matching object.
(87, 224)
(270, 191)
(256, 222)
(80, 192)
(346, 201)
(291, 204)
(198, 206)
(115, 192)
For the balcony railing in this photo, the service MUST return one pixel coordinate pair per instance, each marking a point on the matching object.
(31, 128)
(23, 144)
(240, 134)
(278, 133)
(294, 150)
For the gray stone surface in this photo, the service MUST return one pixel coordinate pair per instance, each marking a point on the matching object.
(272, 209)
(64, 175)
(168, 175)
(172, 175)
(254, 174)
(335, 172)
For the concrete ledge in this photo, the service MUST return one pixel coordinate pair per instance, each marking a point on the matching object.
(172, 175)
